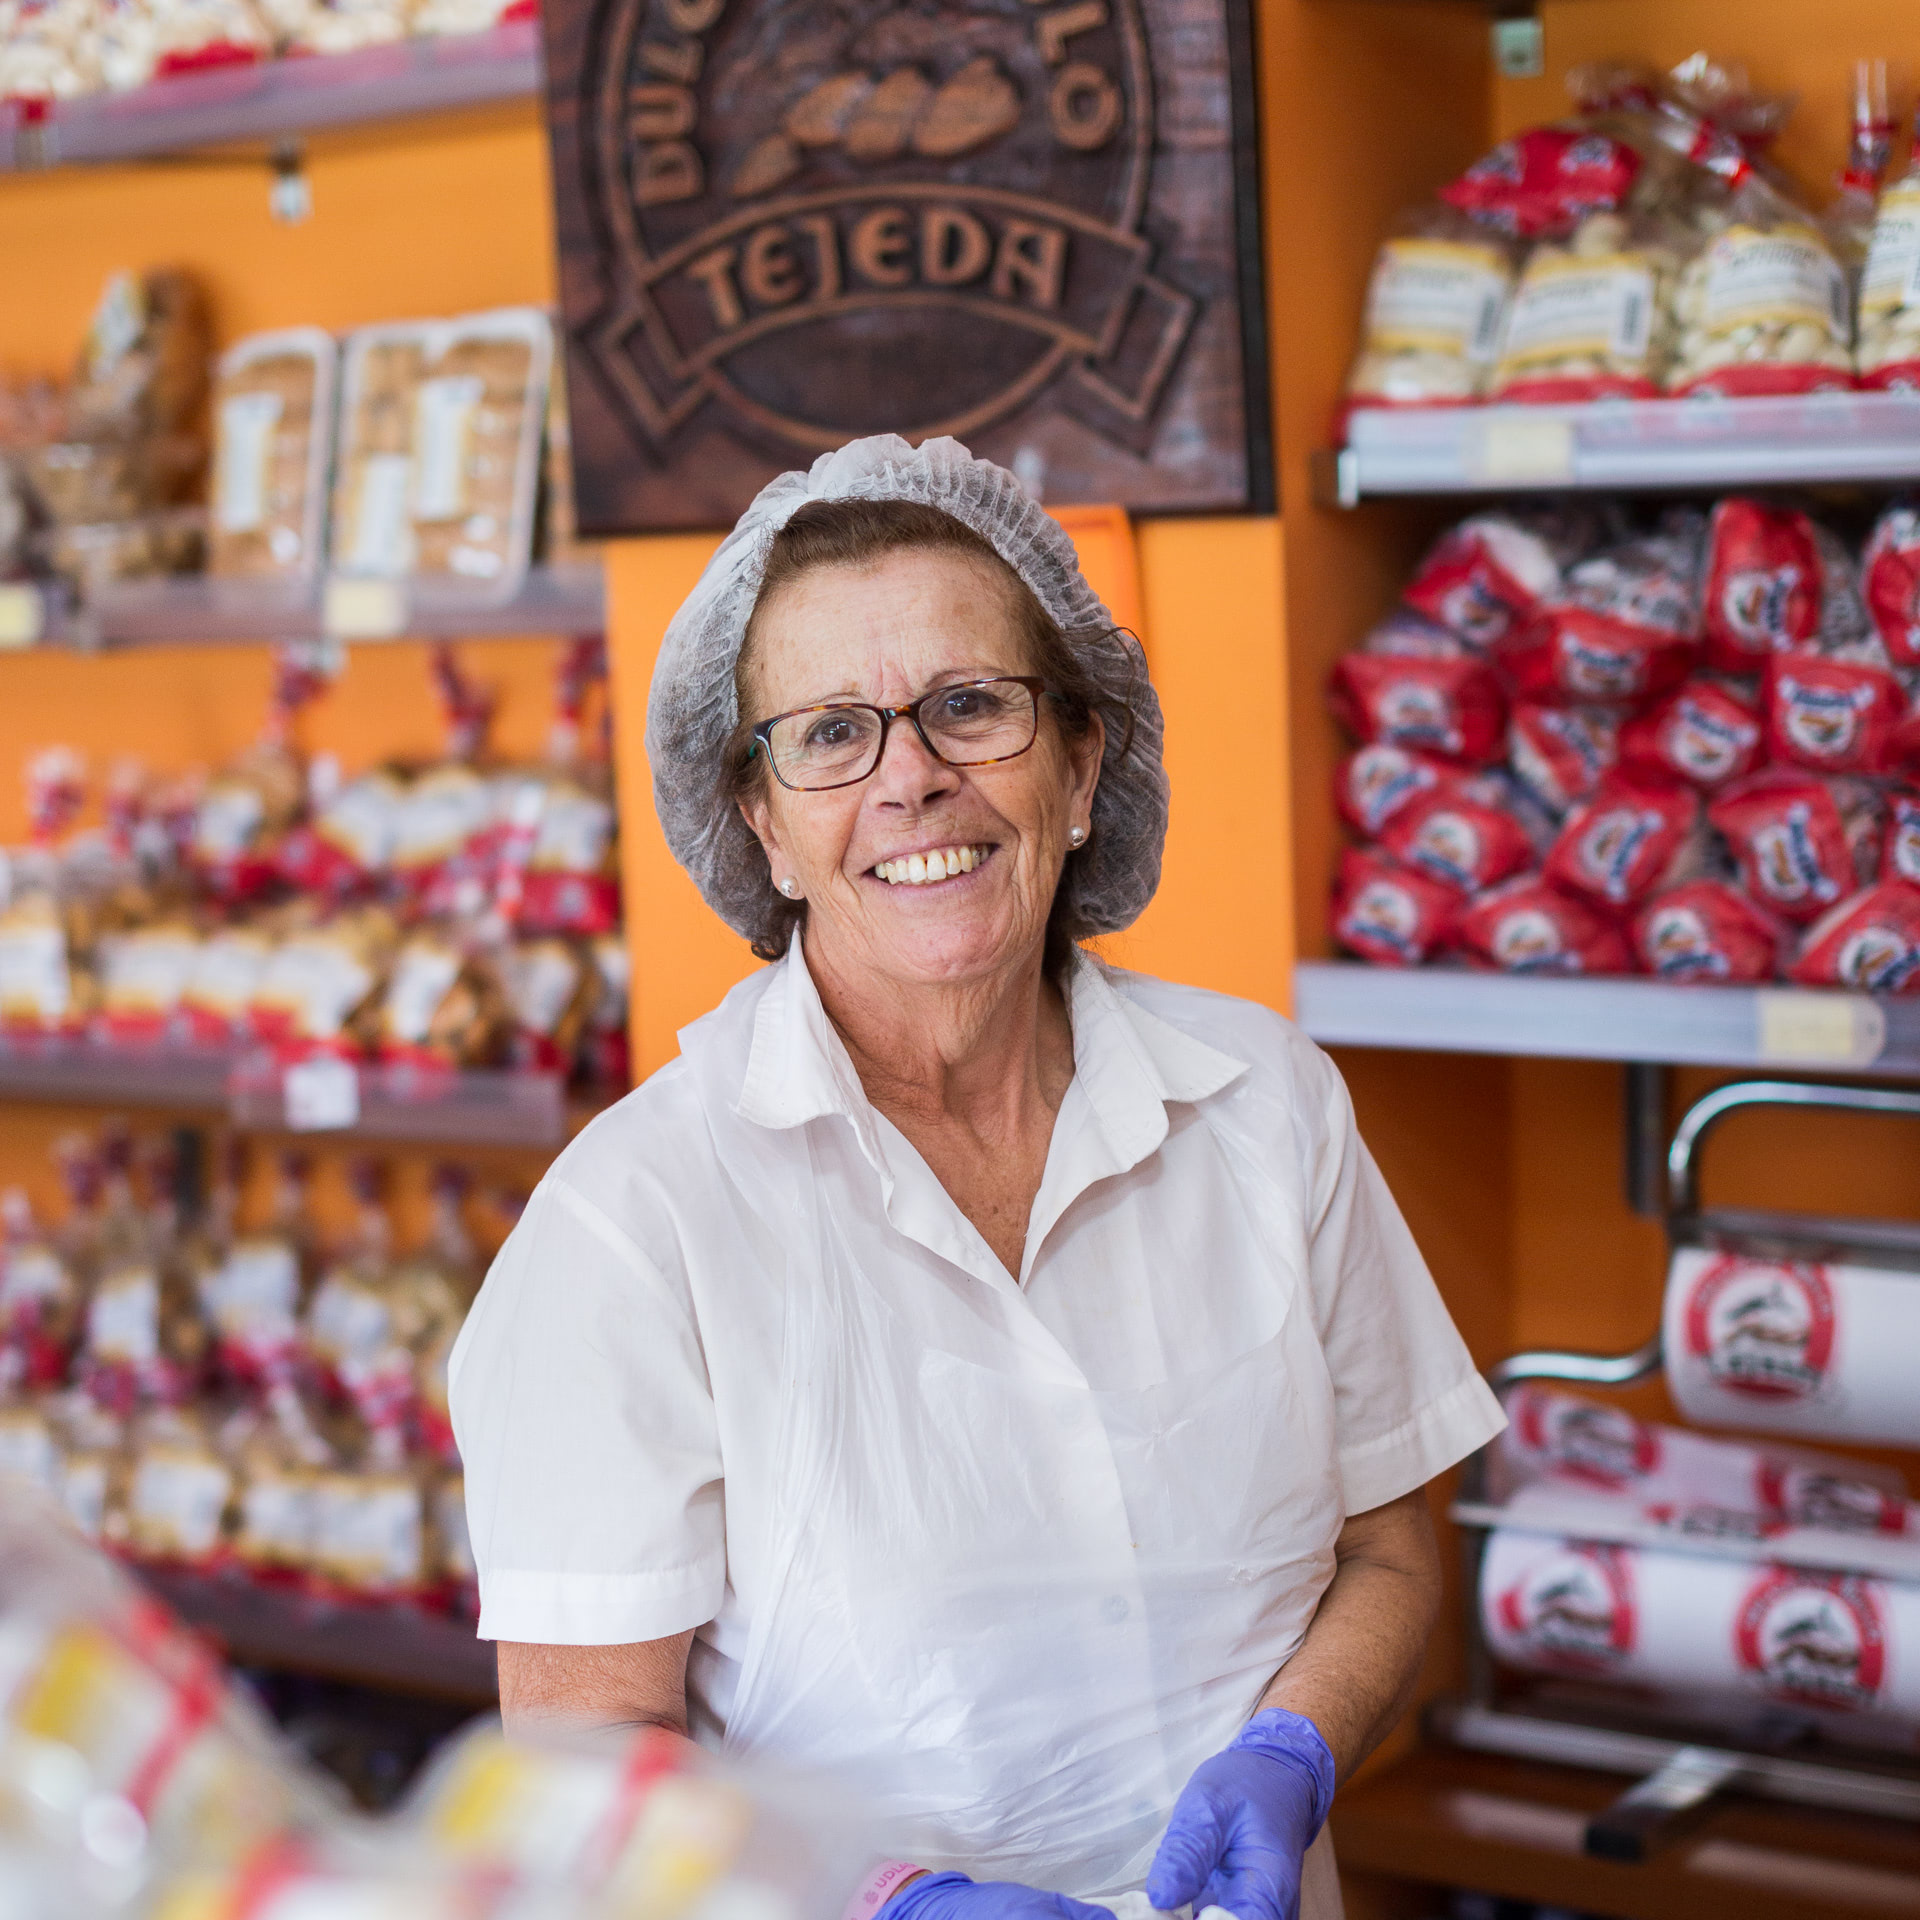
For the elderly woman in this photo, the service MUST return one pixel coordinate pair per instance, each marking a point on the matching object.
(996, 1380)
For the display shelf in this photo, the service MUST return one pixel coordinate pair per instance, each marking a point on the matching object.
(189, 609)
(277, 99)
(392, 1646)
(1641, 446)
(1448, 1010)
(404, 1105)
(1515, 1829)
(94, 1073)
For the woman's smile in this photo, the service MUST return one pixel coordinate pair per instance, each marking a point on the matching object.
(933, 866)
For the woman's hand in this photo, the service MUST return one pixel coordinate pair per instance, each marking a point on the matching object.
(1245, 1820)
(952, 1896)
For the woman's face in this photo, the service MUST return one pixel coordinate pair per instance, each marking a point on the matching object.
(886, 633)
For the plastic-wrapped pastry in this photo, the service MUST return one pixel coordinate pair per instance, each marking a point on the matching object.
(443, 1004)
(320, 987)
(41, 1301)
(273, 422)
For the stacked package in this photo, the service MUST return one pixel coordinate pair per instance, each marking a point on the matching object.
(247, 1400)
(454, 915)
(1739, 1584)
(135, 1782)
(1686, 749)
(1645, 247)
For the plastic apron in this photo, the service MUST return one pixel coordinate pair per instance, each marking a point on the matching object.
(1154, 1556)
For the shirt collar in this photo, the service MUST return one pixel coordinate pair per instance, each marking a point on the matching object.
(1130, 1063)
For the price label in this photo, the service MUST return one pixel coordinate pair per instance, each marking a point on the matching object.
(321, 1095)
(23, 615)
(1514, 448)
(1823, 1029)
(365, 609)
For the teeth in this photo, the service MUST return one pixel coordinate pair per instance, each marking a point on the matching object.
(922, 869)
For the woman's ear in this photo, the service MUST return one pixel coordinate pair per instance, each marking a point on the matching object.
(1083, 757)
(758, 814)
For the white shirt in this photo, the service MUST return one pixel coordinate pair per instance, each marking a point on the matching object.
(743, 1366)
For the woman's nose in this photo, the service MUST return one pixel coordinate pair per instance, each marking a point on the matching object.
(908, 775)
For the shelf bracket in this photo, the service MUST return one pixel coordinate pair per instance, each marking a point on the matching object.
(1644, 1137)
(290, 197)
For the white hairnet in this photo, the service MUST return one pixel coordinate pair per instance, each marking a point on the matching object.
(692, 708)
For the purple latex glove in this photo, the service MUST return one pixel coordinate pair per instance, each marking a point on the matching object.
(952, 1896)
(1244, 1821)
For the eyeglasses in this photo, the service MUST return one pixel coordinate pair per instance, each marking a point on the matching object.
(973, 723)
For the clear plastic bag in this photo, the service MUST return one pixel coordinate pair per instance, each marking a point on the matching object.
(1887, 355)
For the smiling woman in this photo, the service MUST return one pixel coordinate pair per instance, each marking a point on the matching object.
(996, 1380)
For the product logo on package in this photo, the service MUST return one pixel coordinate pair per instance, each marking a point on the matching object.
(1574, 1608)
(1601, 1444)
(1813, 1639)
(1762, 1327)
(953, 196)
(1680, 941)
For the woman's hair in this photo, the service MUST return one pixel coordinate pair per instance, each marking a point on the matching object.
(855, 533)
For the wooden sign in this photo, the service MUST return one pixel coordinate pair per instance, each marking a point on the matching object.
(1027, 223)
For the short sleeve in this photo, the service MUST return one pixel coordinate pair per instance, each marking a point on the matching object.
(1408, 1400)
(586, 1426)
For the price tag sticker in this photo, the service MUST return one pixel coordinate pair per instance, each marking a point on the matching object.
(321, 1095)
(23, 615)
(1513, 448)
(365, 609)
(1819, 1029)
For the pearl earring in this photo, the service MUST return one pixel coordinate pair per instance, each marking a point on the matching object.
(1076, 836)
(789, 887)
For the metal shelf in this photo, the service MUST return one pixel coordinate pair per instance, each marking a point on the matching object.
(372, 1645)
(1640, 445)
(403, 1105)
(1445, 1010)
(277, 99)
(191, 609)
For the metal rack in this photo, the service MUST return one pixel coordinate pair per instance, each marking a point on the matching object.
(1682, 1766)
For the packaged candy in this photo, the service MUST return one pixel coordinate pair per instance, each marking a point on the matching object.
(1530, 926)
(1592, 318)
(180, 1491)
(1890, 567)
(252, 1301)
(1459, 840)
(28, 1448)
(1900, 856)
(1775, 579)
(1870, 942)
(1632, 837)
(1623, 628)
(551, 988)
(273, 426)
(1887, 354)
(1707, 930)
(1374, 783)
(144, 976)
(443, 1004)
(447, 836)
(1453, 708)
(1389, 914)
(1801, 843)
(604, 1054)
(1484, 577)
(347, 847)
(43, 988)
(1762, 307)
(1560, 754)
(370, 1532)
(41, 1301)
(1704, 732)
(319, 990)
(1432, 320)
(217, 1000)
(1833, 716)
(1412, 636)
(240, 820)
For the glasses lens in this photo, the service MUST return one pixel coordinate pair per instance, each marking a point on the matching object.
(990, 720)
(825, 747)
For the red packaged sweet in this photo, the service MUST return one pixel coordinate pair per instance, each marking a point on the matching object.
(1704, 732)
(1707, 930)
(1890, 582)
(1623, 628)
(1870, 942)
(1560, 754)
(1530, 926)
(1835, 716)
(1484, 577)
(1802, 844)
(1387, 914)
(1630, 838)
(1459, 840)
(1544, 180)
(1775, 580)
(1450, 707)
(1412, 636)
(1900, 853)
(1374, 783)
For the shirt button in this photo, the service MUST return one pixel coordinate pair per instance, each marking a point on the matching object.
(1114, 1607)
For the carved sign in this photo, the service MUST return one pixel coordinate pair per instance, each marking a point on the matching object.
(784, 223)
